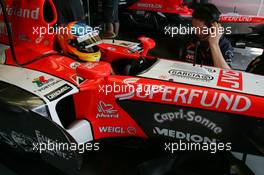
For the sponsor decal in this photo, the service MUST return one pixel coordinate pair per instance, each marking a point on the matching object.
(140, 89)
(189, 116)
(118, 130)
(230, 79)
(131, 80)
(48, 85)
(190, 75)
(112, 129)
(22, 13)
(237, 18)
(148, 5)
(41, 81)
(54, 95)
(77, 79)
(131, 130)
(91, 65)
(183, 136)
(184, 96)
(106, 111)
(74, 65)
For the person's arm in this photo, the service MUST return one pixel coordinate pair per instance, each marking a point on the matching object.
(214, 38)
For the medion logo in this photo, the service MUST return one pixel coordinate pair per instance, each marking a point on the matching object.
(23, 13)
(237, 18)
(146, 5)
(183, 136)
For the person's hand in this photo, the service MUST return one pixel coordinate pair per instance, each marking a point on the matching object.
(215, 34)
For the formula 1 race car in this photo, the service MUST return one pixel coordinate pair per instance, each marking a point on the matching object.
(48, 97)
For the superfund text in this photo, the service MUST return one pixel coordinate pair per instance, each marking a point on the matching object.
(184, 96)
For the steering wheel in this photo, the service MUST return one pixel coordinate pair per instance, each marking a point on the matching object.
(135, 67)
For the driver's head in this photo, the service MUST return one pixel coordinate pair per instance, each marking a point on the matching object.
(203, 17)
(80, 40)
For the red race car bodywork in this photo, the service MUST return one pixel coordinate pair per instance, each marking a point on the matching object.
(168, 6)
(166, 100)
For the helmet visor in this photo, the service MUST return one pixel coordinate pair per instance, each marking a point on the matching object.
(90, 39)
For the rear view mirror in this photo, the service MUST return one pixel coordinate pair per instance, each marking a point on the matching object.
(147, 44)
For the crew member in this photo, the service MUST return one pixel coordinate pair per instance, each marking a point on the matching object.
(69, 10)
(110, 13)
(209, 46)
